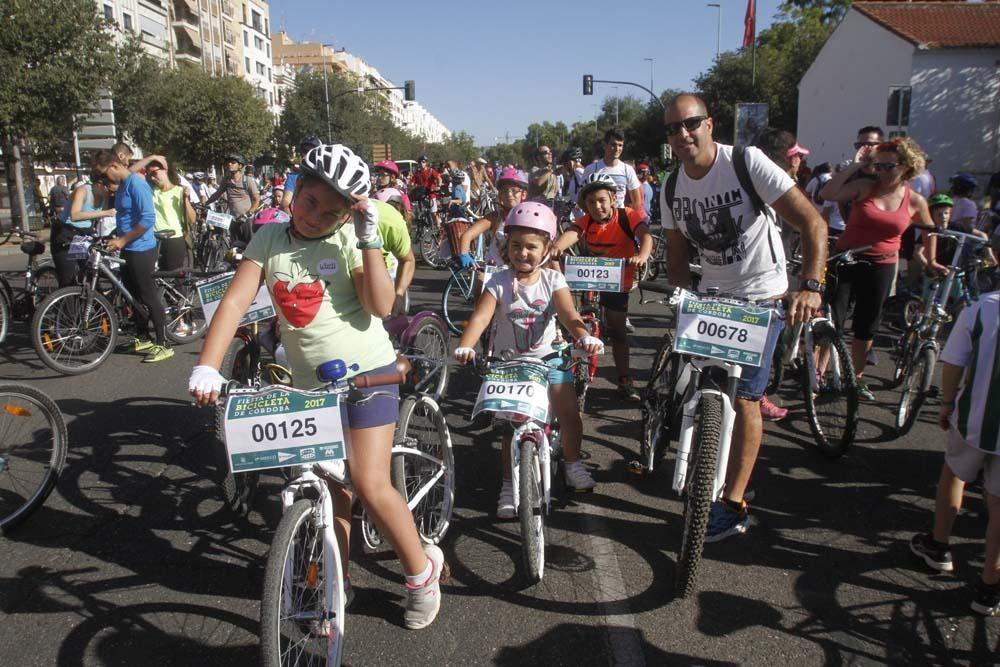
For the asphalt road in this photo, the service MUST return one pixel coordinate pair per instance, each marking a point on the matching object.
(134, 559)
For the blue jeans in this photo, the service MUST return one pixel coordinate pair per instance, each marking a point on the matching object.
(753, 382)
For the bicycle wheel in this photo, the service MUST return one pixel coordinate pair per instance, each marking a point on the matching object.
(427, 350)
(905, 349)
(658, 258)
(238, 489)
(430, 248)
(698, 492)
(299, 623)
(911, 311)
(185, 317)
(4, 315)
(423, 466)
(457, 302)
(657, 408)
(915, 389)
(32, 451)
(832, 405)
(74, 330)
(531, 512)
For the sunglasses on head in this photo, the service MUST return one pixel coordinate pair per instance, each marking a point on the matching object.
(690, 124)
(884, 166)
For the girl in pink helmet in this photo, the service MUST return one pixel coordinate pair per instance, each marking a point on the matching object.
(523, 303)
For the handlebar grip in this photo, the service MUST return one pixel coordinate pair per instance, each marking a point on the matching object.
(395, 376)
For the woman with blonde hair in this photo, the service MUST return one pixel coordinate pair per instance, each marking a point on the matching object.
(882, 210)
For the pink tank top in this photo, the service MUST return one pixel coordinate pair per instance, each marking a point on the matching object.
(882, 230)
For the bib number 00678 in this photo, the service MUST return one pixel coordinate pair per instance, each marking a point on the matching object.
(723, 331)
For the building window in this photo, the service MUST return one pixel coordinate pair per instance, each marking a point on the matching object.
(267, 27)
(247, 64)
(109, 12)
(269, 74)
(246, 38)
(268, 49)
(258, 43)
(260, 69)
(256, 19)
(897, 112)
(127, 22)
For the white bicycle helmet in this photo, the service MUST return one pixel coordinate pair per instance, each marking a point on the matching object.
(340, 168)
(598, 181)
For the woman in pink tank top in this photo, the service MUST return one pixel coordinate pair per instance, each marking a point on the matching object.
(882, 209)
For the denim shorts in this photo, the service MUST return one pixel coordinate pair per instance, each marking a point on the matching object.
(377, 411)
(558, 374)
(754, 380)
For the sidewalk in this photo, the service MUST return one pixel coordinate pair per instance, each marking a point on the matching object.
(14, 246)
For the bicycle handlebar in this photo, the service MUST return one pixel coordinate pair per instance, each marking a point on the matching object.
(395, 376)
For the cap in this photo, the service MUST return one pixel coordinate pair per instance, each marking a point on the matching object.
(481, 160)
(797, 150)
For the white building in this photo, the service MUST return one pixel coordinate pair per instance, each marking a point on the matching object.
(149, 19)
(928, 70)
(257, 66)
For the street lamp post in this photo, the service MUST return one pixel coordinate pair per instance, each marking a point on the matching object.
(650, 60)
(718, 30)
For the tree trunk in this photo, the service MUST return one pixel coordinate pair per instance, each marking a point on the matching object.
(19, 208)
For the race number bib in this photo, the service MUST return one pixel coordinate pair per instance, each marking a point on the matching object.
(712, 328)
(602, 274)
(219, 220)
(211, 291)
(281, 426)
(518, 390)
(79, 247)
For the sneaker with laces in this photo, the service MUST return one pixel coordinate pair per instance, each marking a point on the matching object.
(505, 504)
(141, 344)
(723, 521)
(987, 600)
(771, 412)
(935, 554)
(864, 393)
(578, 477)
(627, 389)
(158, 353)
(424, 601)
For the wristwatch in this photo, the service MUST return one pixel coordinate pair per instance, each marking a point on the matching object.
(811, 285)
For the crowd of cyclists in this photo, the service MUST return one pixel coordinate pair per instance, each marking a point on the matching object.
(332, 243)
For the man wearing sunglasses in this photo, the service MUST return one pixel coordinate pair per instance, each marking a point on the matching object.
(239, 189)
(543, 185)
(735, 235)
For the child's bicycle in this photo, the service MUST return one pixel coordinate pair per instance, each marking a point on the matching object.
(714, 335)
(516, 391)
(303, 599)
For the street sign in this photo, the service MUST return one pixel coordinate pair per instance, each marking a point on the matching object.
(381, 152)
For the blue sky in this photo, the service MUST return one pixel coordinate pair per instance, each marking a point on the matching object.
(491, 68)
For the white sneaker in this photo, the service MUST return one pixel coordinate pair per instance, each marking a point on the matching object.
(505, 505)
(578, 477)
(424, 602)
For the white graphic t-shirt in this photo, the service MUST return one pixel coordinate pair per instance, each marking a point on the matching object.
(741, 252)
(525, 318)
(622, 174)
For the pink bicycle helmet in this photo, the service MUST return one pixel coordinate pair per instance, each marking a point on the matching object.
(269, 216)
(513, 176)
(388, 195)
(388, 165)
(533, 215)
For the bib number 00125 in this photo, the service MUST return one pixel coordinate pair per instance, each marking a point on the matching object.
(722, 330)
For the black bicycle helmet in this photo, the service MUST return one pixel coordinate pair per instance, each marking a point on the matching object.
(235, 157)
(310, 141)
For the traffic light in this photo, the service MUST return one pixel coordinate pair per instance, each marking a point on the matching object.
(588, 84)
(408, 91)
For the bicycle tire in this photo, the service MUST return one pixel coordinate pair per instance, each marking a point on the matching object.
(428, 344)
(457, 302)
(5, 313)
(293, 602)
(906, 348)
(698, 493)
(239, 490)
(832, 413)
(422, 427)
(430, 246)
(28, 471)
(657, 408)
(61, 328)
(915, 388)
(183, 309)
(777, 365)
(531, 512)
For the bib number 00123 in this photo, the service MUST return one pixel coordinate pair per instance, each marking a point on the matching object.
(722, 330)
(602, 274)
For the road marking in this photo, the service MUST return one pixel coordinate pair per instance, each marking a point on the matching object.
(624, 640)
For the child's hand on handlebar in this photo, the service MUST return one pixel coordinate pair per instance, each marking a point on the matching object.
(466, 260)
(464, 354)
(205, 385)
(590, 344)
(637, 260)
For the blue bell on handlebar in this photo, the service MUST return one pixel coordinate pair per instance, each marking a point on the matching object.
(334, 371)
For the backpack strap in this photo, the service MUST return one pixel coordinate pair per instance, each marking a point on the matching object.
(670, 189)
(743, 176)
(623, 223)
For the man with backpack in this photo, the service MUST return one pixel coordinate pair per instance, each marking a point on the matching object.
(723, 200)
(242, 196)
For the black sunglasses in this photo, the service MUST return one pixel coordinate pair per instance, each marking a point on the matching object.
(690, 124)
(884, 166)
(865, 144)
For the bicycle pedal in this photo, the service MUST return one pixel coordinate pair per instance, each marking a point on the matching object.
(445, 573)
(638, 469)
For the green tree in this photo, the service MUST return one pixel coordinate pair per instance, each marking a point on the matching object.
(195, 118)
(54, 56)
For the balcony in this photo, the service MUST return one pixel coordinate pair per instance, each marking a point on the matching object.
(186, 12)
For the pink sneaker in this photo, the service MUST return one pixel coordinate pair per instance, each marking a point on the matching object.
(771, 412)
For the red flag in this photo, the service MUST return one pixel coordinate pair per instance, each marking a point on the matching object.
(750, 24)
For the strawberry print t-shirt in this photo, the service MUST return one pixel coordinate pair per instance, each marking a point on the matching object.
(321, 316)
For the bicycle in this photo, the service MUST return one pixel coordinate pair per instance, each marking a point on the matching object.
(423, 339)
(40, 280)
(211, 241)
(917, 350)
(75, 329)
(302, 608)
(693, 393)
(33, 443)
(426, 232)
(460, 293)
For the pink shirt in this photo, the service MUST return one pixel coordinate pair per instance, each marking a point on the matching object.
(882, 230)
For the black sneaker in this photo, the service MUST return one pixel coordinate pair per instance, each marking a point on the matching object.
(987, 600)
(864, 393)
(936, 555)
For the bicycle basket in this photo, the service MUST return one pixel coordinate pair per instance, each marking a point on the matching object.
(453, 231)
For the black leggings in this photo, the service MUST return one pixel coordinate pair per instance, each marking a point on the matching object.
(67, 270)
(868, 285)
(173, 253)
(137, 274)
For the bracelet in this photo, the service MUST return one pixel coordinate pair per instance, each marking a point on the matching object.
(370, 245)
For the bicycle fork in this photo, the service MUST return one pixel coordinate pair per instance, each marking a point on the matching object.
(543, 467)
